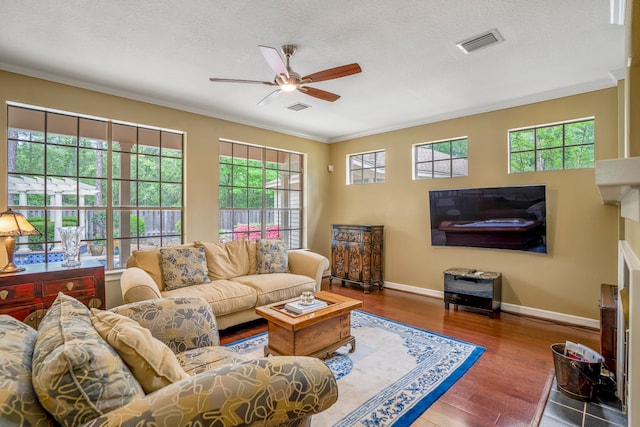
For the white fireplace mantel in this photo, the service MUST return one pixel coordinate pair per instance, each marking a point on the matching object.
(619, 183)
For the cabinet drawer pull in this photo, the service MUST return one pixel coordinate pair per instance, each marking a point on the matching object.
(70, 285)
(34, 318)
(4, 294)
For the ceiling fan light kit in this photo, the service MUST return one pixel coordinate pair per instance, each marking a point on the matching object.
(288, 80)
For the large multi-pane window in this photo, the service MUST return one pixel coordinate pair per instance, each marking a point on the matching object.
(122, 183)
(366, 168)
(441, 159)
(567, 145)
(260, 193)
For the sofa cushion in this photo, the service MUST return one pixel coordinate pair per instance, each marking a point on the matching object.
(224, 296)
(149, 261)
(226, 260)
(18, 400)
(271, 256)
(204, 359)
(76, 374)
(275, 287)
(153, 364)
(183, 267)
(252, 247)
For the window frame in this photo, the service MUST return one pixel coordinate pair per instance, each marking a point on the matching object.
(106, 221)
(539, 149)
(448, 160)
(244, 204)
(378, 170)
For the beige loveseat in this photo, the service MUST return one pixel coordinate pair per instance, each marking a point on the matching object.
(240, 276)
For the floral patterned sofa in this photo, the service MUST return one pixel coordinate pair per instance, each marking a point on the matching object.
(152, 363)
(233, 277)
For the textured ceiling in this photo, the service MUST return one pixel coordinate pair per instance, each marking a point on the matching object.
(412, 72)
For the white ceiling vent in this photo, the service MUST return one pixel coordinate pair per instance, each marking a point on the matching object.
(298, 106)
(481, 40)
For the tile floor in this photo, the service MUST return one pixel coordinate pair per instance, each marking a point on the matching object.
(561, 410)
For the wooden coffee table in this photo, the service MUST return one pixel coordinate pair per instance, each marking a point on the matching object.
(316, 334)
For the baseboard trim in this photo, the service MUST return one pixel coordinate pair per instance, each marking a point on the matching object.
(506, 307)
(414, 289)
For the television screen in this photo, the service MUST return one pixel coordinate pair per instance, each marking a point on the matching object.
(499, 217)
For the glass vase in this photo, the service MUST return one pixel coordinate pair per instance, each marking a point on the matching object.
(70, 237)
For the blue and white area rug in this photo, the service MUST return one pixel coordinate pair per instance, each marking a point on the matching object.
(395, 374)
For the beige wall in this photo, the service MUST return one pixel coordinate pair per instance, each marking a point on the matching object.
(202, 135)
(582, 232)
(632, 86)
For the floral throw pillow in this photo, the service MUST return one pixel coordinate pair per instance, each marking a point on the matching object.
(76, 374)
(183, 267)
(271, 256)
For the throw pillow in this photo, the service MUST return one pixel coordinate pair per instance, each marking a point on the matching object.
(149, 261)
(183, 267)
(180, 323)
(153, 364)
(271, 256)
(20, 406)
(226, 260)
(76, 374)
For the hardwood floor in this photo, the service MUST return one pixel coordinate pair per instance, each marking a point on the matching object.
(509, 383)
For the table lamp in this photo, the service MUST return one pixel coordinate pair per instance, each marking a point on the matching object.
(14, 224)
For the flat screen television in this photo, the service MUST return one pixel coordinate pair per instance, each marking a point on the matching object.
(498, 217)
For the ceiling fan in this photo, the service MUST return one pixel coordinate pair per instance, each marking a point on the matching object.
(288, 80)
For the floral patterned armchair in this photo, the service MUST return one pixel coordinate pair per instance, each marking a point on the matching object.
(67, 374)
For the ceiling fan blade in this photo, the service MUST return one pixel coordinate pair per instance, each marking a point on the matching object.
(274, 60)
(213, 79)
(267, 99)
(334, 73)
(318, 93)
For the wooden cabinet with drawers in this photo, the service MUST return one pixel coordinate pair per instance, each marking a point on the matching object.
(356, 254)
(26, 295)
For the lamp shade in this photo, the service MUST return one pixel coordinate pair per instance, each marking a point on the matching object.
(15, 224)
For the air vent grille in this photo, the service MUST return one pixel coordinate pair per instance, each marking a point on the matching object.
(298, 106)
(480, 41)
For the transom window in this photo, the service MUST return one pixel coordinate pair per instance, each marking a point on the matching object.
(566, 145)
(123, 183)
(366, 168)
(260, 193)
(441, 159)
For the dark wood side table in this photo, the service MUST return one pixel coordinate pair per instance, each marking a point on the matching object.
(27, 294)
(609, 325)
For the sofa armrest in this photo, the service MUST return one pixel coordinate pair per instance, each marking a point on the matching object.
(308, 264)
(181, 323)
(137, 285)
(269, 391)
